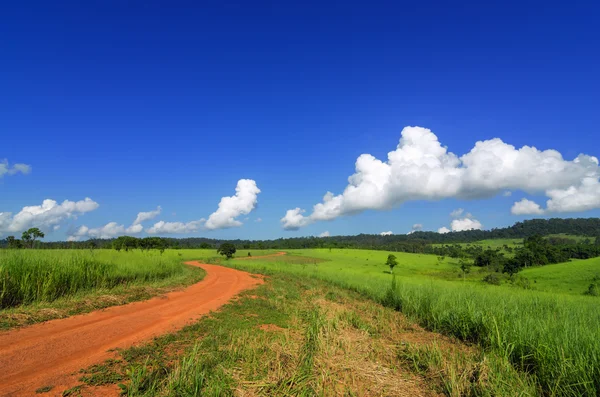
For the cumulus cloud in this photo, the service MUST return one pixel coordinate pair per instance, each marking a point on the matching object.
(19, 168)
(244, 201)
(146, 216)
(258, 220)
(583, 197)
(526, 207)
(324, 234)
(459, 225)
(110, 230)
(422, 169)
(388, 233)
(467, 222)
(163, 227)
(113, 229)
(417, 227)
(457, 213)
(294, 220)
(45, 216)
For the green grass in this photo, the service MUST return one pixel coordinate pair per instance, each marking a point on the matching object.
(30, 276)
(570, 278)
(554, 337)
(298, 336)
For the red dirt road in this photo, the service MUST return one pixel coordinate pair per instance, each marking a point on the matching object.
(49, 354)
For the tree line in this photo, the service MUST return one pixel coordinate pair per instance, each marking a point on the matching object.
(417, 242)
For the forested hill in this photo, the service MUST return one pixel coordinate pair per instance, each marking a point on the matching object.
(406, 242)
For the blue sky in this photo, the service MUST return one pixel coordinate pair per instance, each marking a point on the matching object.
(169, 104)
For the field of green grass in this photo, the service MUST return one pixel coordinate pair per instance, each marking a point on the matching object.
(569, 278)
(552, 336)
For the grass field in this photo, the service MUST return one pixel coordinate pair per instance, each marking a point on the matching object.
(549, 335)
(40, 285)
(298, 336)
(569, 278)
(552, 336)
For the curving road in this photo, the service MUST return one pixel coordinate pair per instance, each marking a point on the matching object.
(51, 353)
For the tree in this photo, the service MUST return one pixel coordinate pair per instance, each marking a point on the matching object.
(13, 242)
(465, 266)
(391, 262)
(29, 236)
(227, 249)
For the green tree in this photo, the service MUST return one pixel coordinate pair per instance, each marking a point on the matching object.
(29, 236)
(13, 242)
(227, 249)
(465, 266)
(391, 262)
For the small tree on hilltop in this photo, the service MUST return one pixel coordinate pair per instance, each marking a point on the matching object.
(29, 236)
(391, 262)
(227, 249)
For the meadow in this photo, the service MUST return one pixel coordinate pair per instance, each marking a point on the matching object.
(548, 334)
(551, 336)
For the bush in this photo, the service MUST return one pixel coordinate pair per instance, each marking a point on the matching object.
(493, 278)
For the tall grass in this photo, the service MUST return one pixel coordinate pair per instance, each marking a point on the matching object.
(29, 276)
(553, 337)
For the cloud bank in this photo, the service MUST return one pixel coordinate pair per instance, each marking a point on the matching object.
(113, 229)
(46, 216)
(19, 168)
(420, 168)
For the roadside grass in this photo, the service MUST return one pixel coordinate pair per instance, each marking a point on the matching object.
(40, 285)
(553, 337)
(298, 336)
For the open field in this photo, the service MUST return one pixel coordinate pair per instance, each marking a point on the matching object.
(552, 336)
(527, 342)
(298, 336)
(572, 277)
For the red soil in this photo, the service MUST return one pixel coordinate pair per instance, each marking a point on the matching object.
(51, 353)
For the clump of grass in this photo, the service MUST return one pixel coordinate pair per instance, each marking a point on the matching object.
(30, 276)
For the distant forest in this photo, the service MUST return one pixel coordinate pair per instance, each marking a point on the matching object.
(417, 242)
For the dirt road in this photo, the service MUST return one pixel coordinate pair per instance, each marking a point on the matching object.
(50, 354)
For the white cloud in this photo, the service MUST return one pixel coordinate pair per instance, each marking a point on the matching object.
(6, 169)
(526, 207)
(146, 216)
(44, 216)
(422, 169)
(113, 229)
(110, 230)
(507, 193)
(417, 227)
(457, 213)
(258, 220)
(175, 227)
(582, 197)
(294, 220)
(467, 222)
(244, 201)
(459, 225)
(324, 234)
(388, 233)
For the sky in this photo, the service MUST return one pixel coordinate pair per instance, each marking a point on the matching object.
(260, 120)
